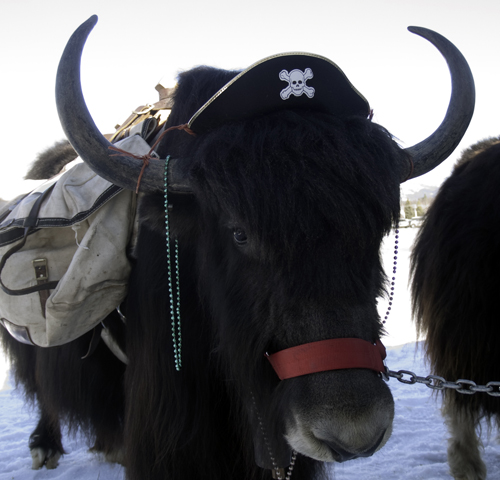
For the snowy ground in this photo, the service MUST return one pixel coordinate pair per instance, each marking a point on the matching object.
(416, 450)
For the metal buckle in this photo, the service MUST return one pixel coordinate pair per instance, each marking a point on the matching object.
(146, 109)
(41, 270)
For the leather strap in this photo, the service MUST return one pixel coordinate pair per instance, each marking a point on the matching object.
(94, 341)
(30, 223)
(325, 355)
(42, 277)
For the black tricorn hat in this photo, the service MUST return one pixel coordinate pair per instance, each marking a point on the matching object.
(286, 80)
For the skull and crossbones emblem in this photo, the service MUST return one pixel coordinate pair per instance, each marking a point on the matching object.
(296, 83)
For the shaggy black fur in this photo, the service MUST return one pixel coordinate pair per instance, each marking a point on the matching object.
(51, 161)
(315, 195)
(455, 268)
(83, 394)
(455, 286)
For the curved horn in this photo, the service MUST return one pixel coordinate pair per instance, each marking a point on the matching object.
(429, 153)
(86, 139)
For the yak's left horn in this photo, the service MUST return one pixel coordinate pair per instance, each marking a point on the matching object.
(89, 143)
(429, 153)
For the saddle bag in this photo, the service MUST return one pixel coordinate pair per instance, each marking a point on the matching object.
(63, 254)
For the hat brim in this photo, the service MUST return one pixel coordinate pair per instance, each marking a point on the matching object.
(266, 87)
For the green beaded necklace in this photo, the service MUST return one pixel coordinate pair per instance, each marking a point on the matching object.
(175, 304)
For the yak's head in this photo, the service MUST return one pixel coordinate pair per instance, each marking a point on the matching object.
(291, 209)
(285, 211)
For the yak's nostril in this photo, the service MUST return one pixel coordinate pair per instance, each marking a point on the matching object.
(373, 449)
(339, 454)
(342, 455)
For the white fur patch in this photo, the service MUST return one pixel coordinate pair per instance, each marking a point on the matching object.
(41, 457)
(464, 456)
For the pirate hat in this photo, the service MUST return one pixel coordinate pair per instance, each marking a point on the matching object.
(286, 80)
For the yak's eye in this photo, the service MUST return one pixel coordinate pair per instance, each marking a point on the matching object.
(240, 236)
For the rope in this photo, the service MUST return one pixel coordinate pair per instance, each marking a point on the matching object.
(151, 154)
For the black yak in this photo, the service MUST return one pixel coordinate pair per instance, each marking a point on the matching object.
(454, 287)
(278, 211)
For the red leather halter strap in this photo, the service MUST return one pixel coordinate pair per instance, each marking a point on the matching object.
(333, 354)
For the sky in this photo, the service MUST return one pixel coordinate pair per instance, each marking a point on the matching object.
(137, 44)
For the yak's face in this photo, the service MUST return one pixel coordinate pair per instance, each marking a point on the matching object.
(287, 245)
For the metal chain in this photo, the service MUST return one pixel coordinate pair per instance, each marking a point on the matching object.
(434, 382)
(277, 472)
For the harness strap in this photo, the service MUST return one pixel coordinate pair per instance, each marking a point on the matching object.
(30, 224)
(94, 341)
(325, 355)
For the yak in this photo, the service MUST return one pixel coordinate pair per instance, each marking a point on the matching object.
(247, 318)
(454, 266)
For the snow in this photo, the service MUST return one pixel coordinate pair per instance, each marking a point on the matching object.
(415, 451)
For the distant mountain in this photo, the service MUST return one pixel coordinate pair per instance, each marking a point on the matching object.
(413, 196)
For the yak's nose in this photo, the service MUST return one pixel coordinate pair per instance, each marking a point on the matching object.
(342, 455)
